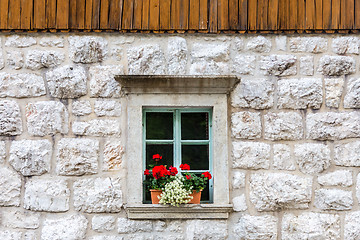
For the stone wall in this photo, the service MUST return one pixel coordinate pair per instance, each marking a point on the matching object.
(295, 126)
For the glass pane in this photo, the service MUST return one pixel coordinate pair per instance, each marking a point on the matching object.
(159, 125)
(197, 156)
(194, 126)
(164, 150)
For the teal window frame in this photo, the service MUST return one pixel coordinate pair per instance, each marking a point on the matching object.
(177, 142)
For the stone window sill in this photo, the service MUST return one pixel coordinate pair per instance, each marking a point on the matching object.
(190, 211)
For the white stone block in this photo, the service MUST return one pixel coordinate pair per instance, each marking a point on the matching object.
(283, 159)
(312, 158)
(77, 156)
(107, 108)
(333, 91)
(72, 227)
(278, 65)
(251, 155)
(256, 227)
(67, 82)
(177, 56)
(98, 195)
(10, 118)
(146, 60)
(347, 154)
(307, 65)
(19, 41)
(341, 178)
(125, 225)
(10, 187)
(14, 218)
(15, 59)
(238, 180)
(50, 195)
(253, 93)
(244, 65)
(336, 65)
(103, 83)
(81, 108)
(276, 191)
(206, 229)
(332, 125)
(103, 223)
(21, 85)
(31, 157)
(259, 44)
(87, 49)
(46, 118)
(310, 225)
(113, 155)
(308, 44)
(239, 203)
(346, 45)
(352, 97)
(52, 41)
(283, 126)
(333, 199)
(36, 59)
(97, 127)
(352, 226)
(246, 125)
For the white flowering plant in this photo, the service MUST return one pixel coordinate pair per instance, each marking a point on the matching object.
(175, 192)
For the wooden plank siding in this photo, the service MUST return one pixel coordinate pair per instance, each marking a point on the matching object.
(213, 16)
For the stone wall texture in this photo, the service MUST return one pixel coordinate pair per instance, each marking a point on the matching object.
(294, 123)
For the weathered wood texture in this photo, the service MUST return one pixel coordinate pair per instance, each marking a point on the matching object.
(181, 15)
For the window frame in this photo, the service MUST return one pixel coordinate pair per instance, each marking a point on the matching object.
(178, 142)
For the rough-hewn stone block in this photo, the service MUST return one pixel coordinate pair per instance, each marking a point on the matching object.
(244, 65)
(103, 223)
(256, 227)
(146, 60)
(341, 178)
(300, 93)
(14, 218)
(52, 41)
(336, 65)
(210, 58)
(31, 157)
(72, 227)
(2, 152)
(259, 44)
(238, 180)
(283, 126)
(352, 226)
(98, 195)
(312, 158)
(346, 45)
(239, 203)
(352, 97)
(307, 65)
(206, 229)
(177, 56)
(253, 93)
(347, 154)
(67, 82)
(113, 155)
(50, 195)
(310, 225)
(77, 156)
(10, 187)
(251, 155)
(21, 85)
(15, 59)
(46, 118)
(333, 199)
(278, 65)
(332, 125)
(246, 125)
(36, 59)
(97, 127)
(87, 49)
(19, 41)
(81, 108)
(125, 225)
(308, 44)
(107, 108)
(10, 118)
(10, 235)
(333, 91)
(103, 83)
(283, 159)
(274, 191)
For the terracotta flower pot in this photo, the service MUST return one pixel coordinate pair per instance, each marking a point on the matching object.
(196, 197)
(154, 196)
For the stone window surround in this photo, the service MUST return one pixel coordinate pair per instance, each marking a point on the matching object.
(177, 91)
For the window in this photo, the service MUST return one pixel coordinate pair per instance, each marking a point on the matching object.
(179, 95)
(179, 135)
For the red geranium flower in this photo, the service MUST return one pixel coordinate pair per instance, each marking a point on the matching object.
(206, 175)
(184, 167)
(146, 172)
(188, 177)
(160, 171)
(173, 171)
(157, 157)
